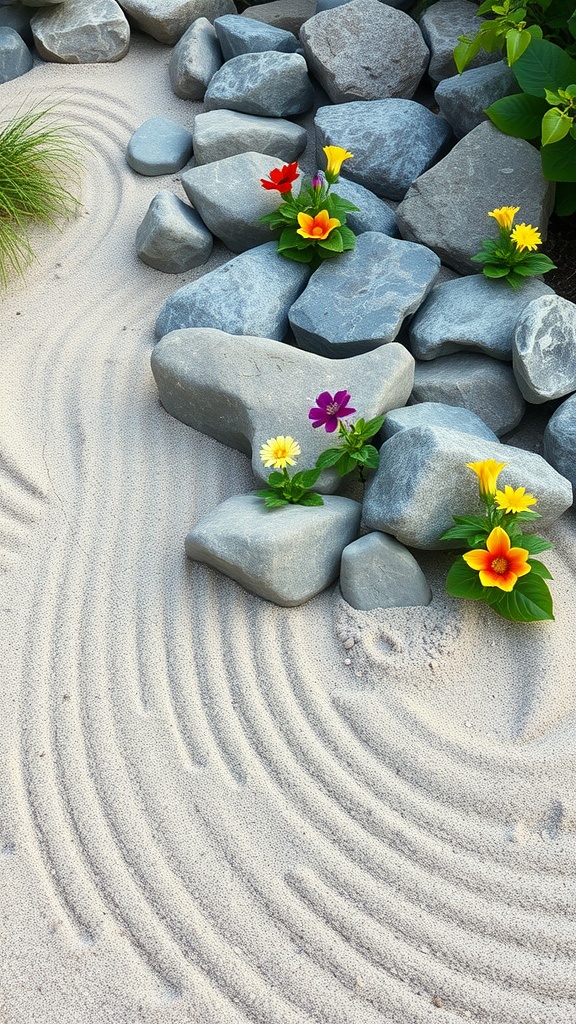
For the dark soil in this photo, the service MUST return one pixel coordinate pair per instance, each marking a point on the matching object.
(560, 246)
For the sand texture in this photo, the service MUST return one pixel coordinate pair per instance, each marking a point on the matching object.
(207, 816)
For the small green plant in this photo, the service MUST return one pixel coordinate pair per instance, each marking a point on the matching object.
(38, 156)
(512, 256)
(353, 451)
(512, 25)
(282, 489)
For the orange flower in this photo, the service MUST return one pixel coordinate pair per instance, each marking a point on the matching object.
(499, 566)
(318, 227)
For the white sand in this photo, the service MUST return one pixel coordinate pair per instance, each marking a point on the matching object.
(207, 817)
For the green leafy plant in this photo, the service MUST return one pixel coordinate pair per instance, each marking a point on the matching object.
(509, 256)
(282, 489)
(512, 25)
(353, 450)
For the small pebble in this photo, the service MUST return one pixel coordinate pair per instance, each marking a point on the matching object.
(437, 1001)
(347, 661)
(360, 981)
(468, 725)
(349, 644)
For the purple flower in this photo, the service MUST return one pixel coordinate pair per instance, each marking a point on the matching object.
(329, 409)
(317, 180)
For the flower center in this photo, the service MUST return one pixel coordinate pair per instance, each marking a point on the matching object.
(500, 565)
(280, 452)
(332, 409)
(317, 230)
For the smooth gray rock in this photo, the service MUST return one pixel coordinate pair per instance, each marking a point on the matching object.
(15, 57)
(485, 386)
(560, 440)
(17, 17)
(195, 60)
(172, 238)
(378, 572)
(360, 299)
(373, 214)
(328, 5)
(81, 32)
(159, 146)
(463, 98)
(471, 314)
(238, 35)
(251, 294)
(422, 479)
(286, 555)
(218, 134)
(436, 414)
(167, 20)
(244, 390)
(393, 142)
(442, 24)
(544, 349)
(447, 207)
(230, 198)
(287, 14)
(266, 84)
(365, 50)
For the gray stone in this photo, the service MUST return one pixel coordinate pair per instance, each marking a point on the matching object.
(360, 300)
(442, 24)
(172, 237)
(560, 440)
(287, 14)
(159, 146)
(230, 198)
(447, 207)
(472, 314)
(250, 294)
(544, 350)
(195, 60)
(463, 98)
(286, 555)
(266, 84)
(373, 214)
(393, 142)
(15, 57)
(244, 390)
(238, 35)
(81, 32)
(17, 17)
(422, 480)
(365, 50)
(485, 386)
(378, 572)
(167, 20)
(328, 5)
(218, 134)
(436, 414)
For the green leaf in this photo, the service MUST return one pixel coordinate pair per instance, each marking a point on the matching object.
(299, 255)
(531, 543)
(559, 161)
(329, 458)
(346, 464)
(462, 581)
(368, 456)
(544, 66)
(518, 115)
(276, 479)
(529, 601)
(517, 41)
(264, 493)
(539, 568)
(555, 126)
(274, 501)
(465, 51)
(371, 427)
(348, 238)
(552, 98)
(537, 263)
(476, 522)
(495, 272)
(572, 24)
(342, 205)
(311, 499)
(307, 477)
(333, 243)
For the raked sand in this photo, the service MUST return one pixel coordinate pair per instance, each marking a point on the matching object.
(207, 816)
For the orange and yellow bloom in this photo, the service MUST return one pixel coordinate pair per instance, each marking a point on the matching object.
(487, 472)
(280, 452)
(500, 565)
(510, 500)
(504, 216)
(318, 227)
(335, 157)
(526, 237)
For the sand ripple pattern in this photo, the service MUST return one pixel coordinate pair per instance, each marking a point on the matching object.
(278, 837)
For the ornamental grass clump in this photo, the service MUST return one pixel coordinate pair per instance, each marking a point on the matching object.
(499, 568)
(37, 158)
(512, 255)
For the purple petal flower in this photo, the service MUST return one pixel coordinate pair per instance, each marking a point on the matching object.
(317, 180)
(329, 409)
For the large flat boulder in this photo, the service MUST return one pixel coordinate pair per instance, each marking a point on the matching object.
(463, 99)
(172, 237)
(81, 32)
(484, 385)
(378, 572)
(265, 84)
(167, 20)
(436, 414)
(287, 14)
(195, 60)
(244, 35)
(218, 134)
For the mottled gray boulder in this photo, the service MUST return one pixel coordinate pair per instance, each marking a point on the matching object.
(218, 134)
(373, 214)
(436, 414)
(485, 386)
(250, 294)
(195, 60)
(232, 389)
(393, 142)
(287, 14)
(442, 24)
(172, 237)
(422, 479)
(265, 84)
(17, 17)
(464, 98)
(286, 555)
(360, 299)
(560, 440)
(167, 20)
(81, 32)
(447, 207)
(544, 349)
(238, 35)
(378, 572)
(159, 146)
(365, 50)
(15, 57)
(229, 197)
(472, 314)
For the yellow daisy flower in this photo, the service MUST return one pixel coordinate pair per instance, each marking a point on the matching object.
(280, 452)
(510, 500)
(526, 237)
(504, 216)
(487, 472)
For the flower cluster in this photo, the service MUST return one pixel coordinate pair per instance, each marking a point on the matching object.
(500, 568)
(313, 222)
(513, 254)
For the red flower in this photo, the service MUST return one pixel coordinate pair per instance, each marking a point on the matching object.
(281, 178)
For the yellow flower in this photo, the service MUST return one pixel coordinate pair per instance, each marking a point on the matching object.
(318, 227)
(526, 237)
(335, 157)
(510, 500)
(279, 452)
(487, 473)
(505, 216)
